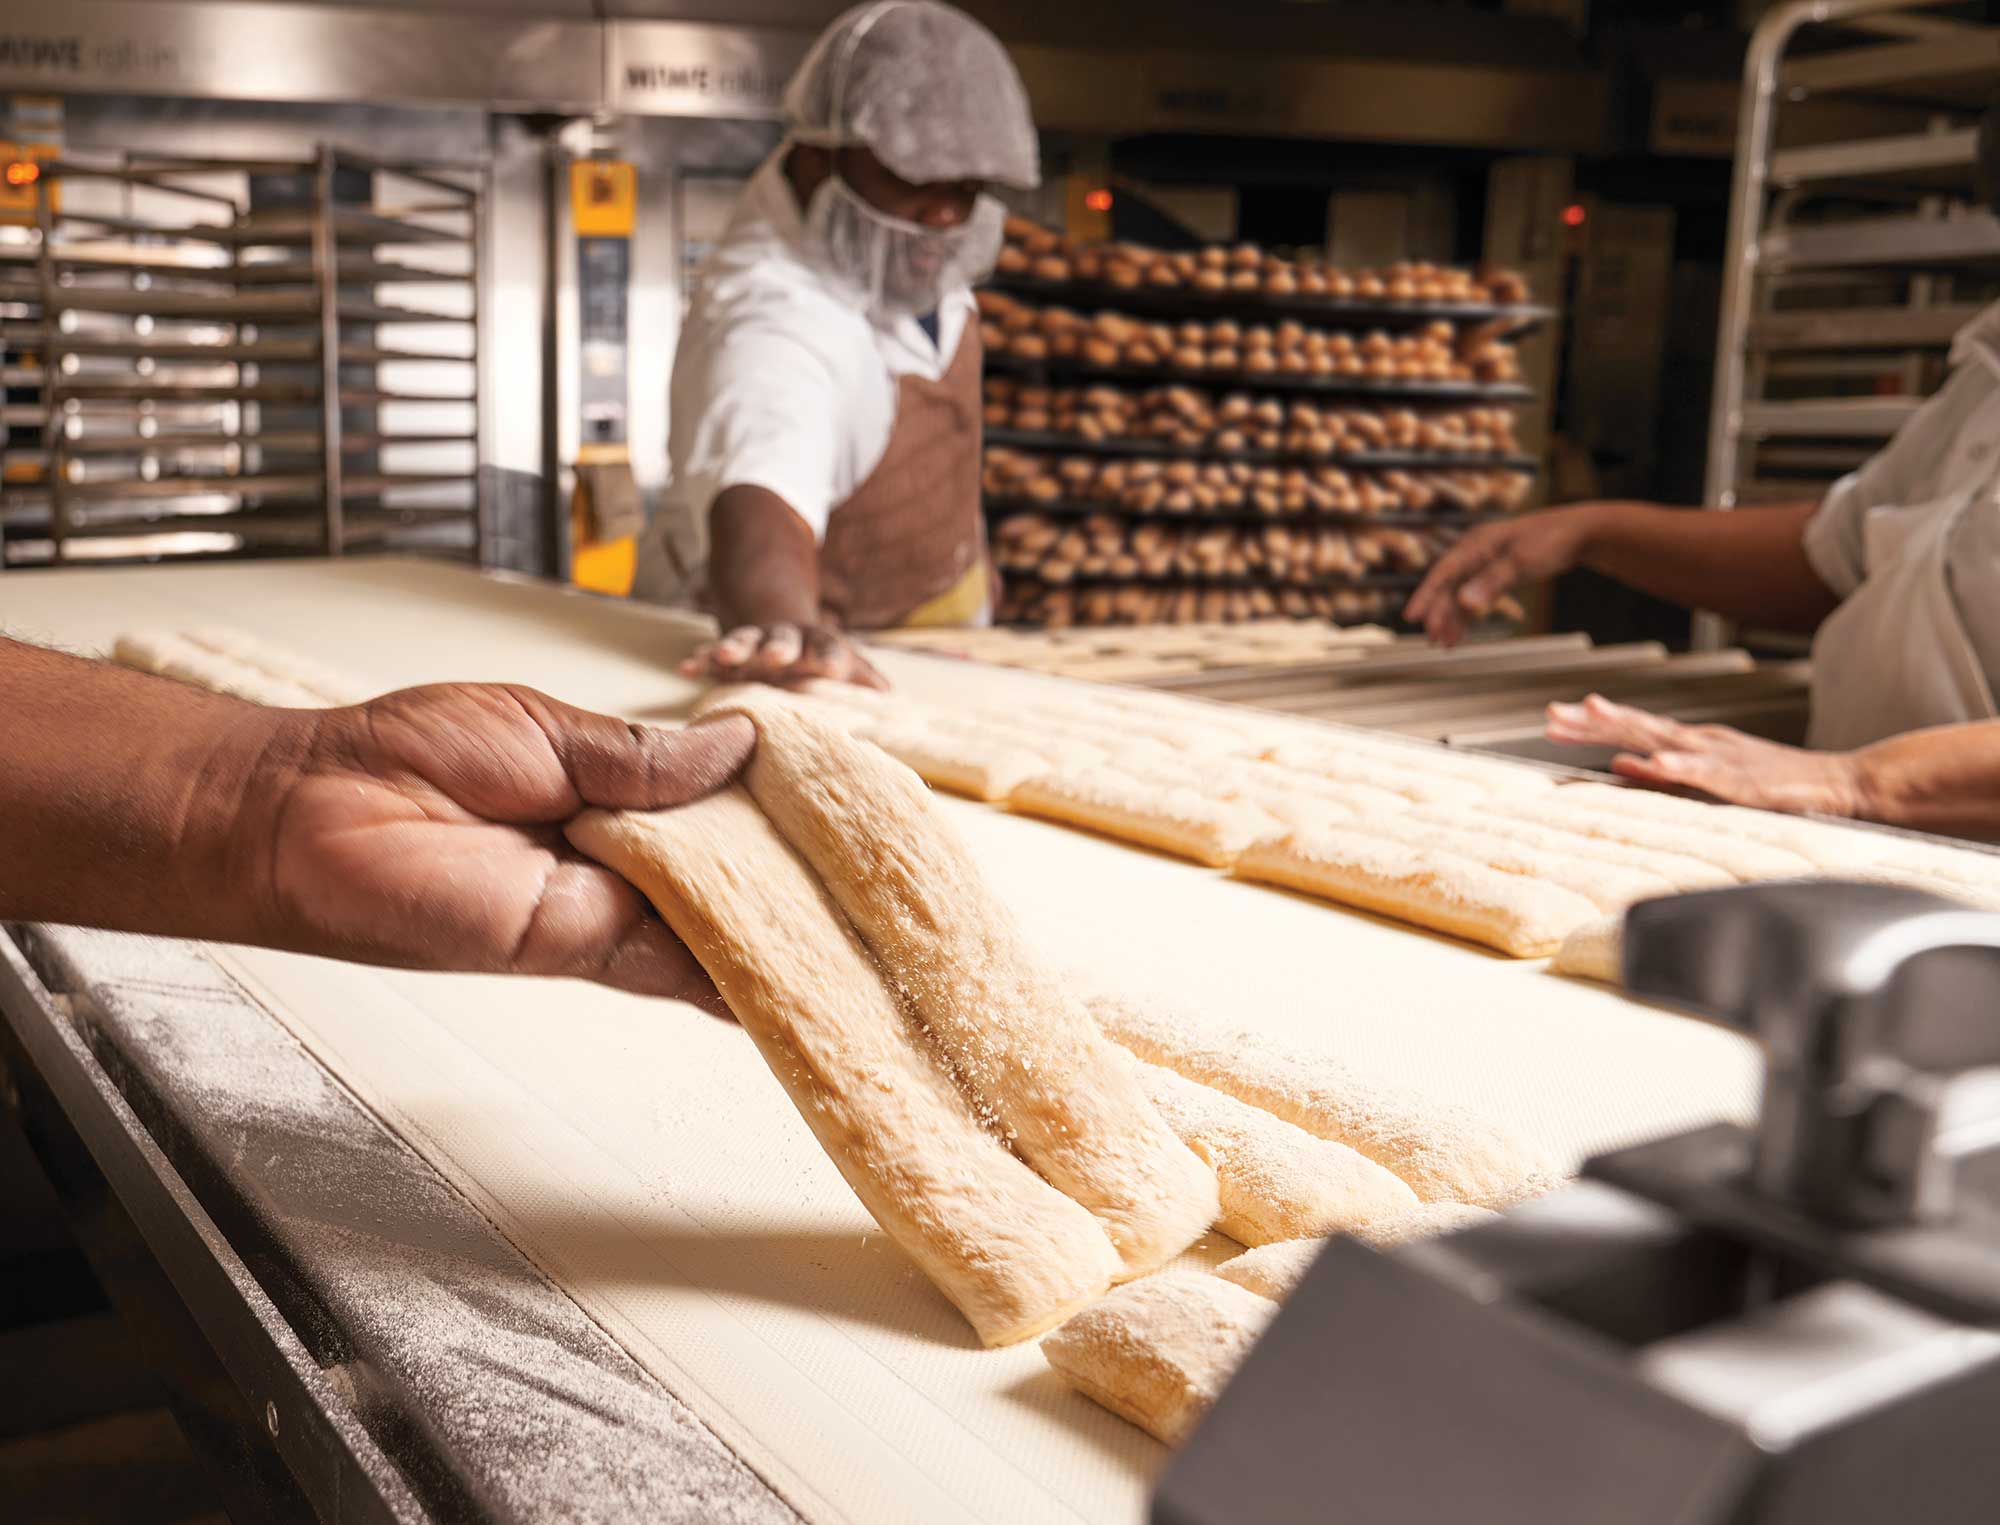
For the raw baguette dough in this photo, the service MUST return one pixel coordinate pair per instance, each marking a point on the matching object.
(1488, 775)
(177, 657)
(1013, 1253)
(1608, 886)
(1160, 1351)
(1024, 1047)
(1409, 779)
(985, 768)
(1444, 1152)
(1678, 869)
(1744, 859)
(1830, 848)
(1171, 817)
(334, 687)
(1273, 1270)
(1445, 891)
(1277, 1181)
(1594, 951)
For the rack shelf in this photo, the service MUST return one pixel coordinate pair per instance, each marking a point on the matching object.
(1455, 518)
(1379, 460)
(1256, 307)
(1360, 387)
(1367, 583)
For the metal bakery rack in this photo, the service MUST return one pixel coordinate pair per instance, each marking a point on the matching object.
(1449, 502)
(1850, 263)
(225, 357)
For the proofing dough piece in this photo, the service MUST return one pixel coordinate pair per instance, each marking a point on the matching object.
(1022, 1045)
(1277, 1181)
(986, 768)
(334, 687)
(1608, 886)
(1160, 1351)
(1396, 777)
(821, 697)
(175, 656)
(1014, 1254)
(1678, 869)
(1273, 1270)
(1830, 848)
(1594, 951)
(1444, 1152)
(1745, 859)
(1245, 781)
(1490, 775)
(1427, 887)
(1171, 817)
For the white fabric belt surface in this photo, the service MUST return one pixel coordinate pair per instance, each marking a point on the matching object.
(641, 1154)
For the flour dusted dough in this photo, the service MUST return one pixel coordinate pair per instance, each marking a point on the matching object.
(1272, 1270)
(1678, 869)
(1594, 951)
(1409, 779)
(177, 657)
(1745, 859)
(1277, 1180)
(1608, 886)
(1488, 775)
(1160, 1351)
(1425, 1221)
(1444, 1152)
(1013, 1253)
(1021, 1044)
(1174, 818)
(330, 684)
(984, 767)
(1428, 887)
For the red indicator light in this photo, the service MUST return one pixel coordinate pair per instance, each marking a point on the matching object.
(1574, 215)
(1098, 200)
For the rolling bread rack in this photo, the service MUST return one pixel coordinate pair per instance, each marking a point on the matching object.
(1070, 536)
(233, 356)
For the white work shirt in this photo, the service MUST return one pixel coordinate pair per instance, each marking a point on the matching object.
(779, 382)
(1911, 543)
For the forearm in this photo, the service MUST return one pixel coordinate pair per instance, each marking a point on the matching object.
(763, 564)
(1749, 564)
(1945, 779)
(122, 798)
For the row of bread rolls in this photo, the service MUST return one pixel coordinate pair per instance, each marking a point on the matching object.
(1033, 250)
(1169, 487)
(1233, 422)
(1225, 347)
(1061, 550)
(1057, 608)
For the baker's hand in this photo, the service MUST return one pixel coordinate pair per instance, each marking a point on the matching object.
(1470, 579)
(783, 654)
(1711, 759)
(424, 830)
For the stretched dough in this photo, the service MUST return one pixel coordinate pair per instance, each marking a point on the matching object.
(1444, 1152)
(1489, 775)
(1744, 859)
(1021, 1044)
(1678, 869)
(985, 768)
(1273, 1270)
(1160, 1351)
(333, 686)
(1608, 886)
(1014, 1254)
(1174, 818)
(1277, 1181)
(1428, 887)
(1411, 779)
(1594, 951)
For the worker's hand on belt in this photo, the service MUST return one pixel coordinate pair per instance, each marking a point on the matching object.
(1469, 581)
(1712, 759)
(783, 654)
(424, 830)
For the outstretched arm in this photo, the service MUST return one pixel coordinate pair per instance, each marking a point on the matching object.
(1942, 779)
(423, 829)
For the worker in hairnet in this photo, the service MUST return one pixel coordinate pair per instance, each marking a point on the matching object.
(1896, 571)
(825, 426)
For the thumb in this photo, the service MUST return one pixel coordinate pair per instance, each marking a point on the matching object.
(622, 765)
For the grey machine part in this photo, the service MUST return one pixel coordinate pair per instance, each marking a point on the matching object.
(1796, 1323)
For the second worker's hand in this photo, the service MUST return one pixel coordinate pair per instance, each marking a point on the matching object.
(1714, 760)
(1469, 581)
(425, 830)
(783, 654)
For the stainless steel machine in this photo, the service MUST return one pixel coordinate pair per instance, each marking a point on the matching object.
(1796, 1323)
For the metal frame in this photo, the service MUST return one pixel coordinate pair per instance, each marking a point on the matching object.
(1922, 243)
(72, 1109)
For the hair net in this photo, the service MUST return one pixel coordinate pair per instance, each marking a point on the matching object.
(923, 85)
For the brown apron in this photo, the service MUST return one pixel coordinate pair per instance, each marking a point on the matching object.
(909, 545)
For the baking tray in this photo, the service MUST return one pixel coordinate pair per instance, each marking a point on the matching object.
(1256, 307)
(1054, 370)
(1000, 508)
(1381, 460)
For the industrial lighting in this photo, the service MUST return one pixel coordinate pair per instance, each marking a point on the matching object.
(22, 172)
(1574, 215)
(1098, 200)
